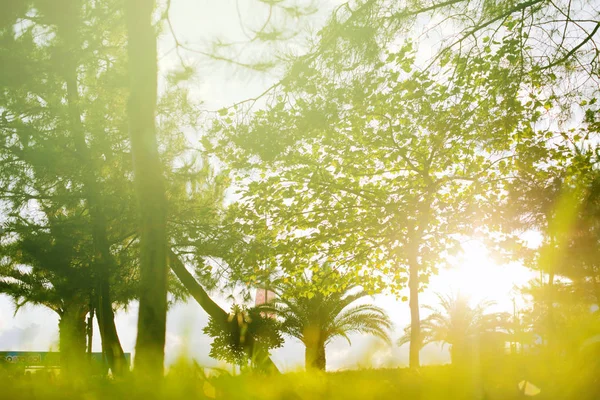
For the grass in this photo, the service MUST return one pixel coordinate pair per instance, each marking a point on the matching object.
(186, 380)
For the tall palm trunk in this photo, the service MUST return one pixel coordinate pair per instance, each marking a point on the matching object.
(72, 335)
(460, 354)
(103, 260)
(314, 356)
(152, 317)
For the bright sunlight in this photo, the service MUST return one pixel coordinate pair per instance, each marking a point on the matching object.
(476, 275)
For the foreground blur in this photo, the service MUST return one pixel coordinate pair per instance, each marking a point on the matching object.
(503, 377)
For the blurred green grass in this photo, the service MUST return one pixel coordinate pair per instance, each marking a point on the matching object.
(187, 380)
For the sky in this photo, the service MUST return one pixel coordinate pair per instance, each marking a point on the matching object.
(197, 23)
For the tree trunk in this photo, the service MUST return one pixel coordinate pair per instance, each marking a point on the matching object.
(415, 319)
(72, 335)
(314, 356)
(454, 356)
(152, 317)
(219, 315)
(198, 293)
(90, 330)
(415, 235)
(111, 345)
(459, 354)
(596, 285)
(261, 359)
(103, 259)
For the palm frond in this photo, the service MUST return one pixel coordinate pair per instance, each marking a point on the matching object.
(331, 314)
(454, 320)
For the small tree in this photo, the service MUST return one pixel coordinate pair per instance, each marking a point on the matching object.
(248, 341)
(52, 266)
(322, 313)
(462, 326)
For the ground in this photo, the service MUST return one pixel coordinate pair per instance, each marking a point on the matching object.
(188, 381)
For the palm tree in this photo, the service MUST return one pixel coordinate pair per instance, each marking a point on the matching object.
(316, 317)
(456, 323)
(51, 265)
(49, 269)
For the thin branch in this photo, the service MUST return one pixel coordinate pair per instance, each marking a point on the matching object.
(573, 50)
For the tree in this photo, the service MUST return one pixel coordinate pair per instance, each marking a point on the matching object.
(382, 169)
(568, 323)
(556, 38)
(52, 265)
(248, 339)
(462, 326)
(316, 317)
(545, 49)
(55, 276)
(65, 146)
(70, 94)
(150, 188)
(554, 191)
(70, 35)
(227, 328)
(52, 157)
(150, 185)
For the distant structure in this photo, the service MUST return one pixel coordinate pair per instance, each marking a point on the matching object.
(264, 296)
(44, 359)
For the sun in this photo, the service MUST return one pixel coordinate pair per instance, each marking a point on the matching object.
(475, 274)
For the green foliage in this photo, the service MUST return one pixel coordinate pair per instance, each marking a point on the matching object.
(373, 166)
(69, 214)
(322, 309)
(331, 314)
(251, 333)
(48, 224)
